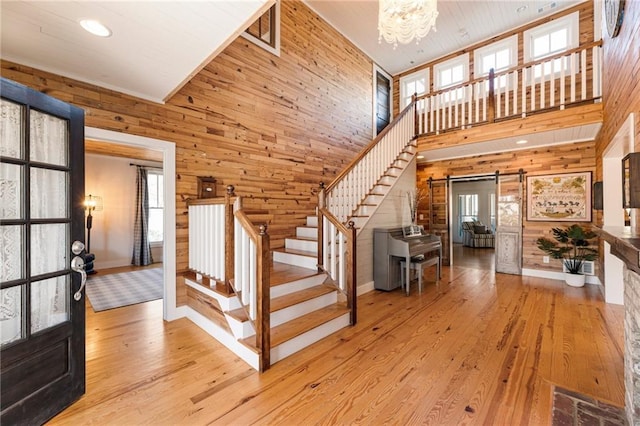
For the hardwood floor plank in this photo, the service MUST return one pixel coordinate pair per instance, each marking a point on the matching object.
(475, 348)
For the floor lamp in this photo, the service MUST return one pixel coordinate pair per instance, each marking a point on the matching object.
(92, 204)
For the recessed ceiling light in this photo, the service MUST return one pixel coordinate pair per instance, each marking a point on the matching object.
(522, 141)
(95, 27)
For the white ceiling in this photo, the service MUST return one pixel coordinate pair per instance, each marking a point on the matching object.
(535, 140)
(155, 46)
(459, 24)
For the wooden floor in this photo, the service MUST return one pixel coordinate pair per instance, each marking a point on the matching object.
(477, 348)
(476, 258)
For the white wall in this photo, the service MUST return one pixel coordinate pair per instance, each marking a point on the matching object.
(481, 187)
(393, 211)
(113, 179)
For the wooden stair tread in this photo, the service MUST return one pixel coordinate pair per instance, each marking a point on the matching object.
(303, 238)
(298, 252)
(300, 325)
(294, 298)
(282, 273)
(291, 329)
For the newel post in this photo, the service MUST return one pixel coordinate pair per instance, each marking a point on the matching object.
(321, 205)
(352, 262)
(491, 105)
(229, 240)
(263, 297)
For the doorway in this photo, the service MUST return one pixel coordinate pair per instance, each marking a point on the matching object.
(169, 193)
(473, 201)
(382, 96)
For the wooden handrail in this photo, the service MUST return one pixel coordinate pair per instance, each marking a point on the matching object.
(369, 147)
(242, 217)
(511, 70)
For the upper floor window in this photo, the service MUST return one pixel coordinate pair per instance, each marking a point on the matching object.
(451, 73)
(155, 189)
(417, 82)
(265, 31)
(549, 39)
(500, 56)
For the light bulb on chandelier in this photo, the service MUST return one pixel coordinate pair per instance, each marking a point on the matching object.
(402, 21)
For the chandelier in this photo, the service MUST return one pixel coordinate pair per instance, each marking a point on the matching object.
(401, 21)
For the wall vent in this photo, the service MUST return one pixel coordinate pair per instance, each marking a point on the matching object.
(588, 268)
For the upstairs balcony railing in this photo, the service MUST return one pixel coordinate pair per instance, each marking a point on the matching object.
(558, 81)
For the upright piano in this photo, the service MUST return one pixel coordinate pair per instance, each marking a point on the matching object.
(391, 246)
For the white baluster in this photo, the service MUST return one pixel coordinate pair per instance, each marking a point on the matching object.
(562, 82)
(524, 90)
(542, 88)
(572, 70)
(583, 72)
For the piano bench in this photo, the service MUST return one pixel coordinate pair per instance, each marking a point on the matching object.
(418, 265)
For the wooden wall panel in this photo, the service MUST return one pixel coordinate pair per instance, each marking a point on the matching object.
(274, 127)
(586, 35)
(621, 81)
(540, 161)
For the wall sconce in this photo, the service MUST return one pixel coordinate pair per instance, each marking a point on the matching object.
(631, 181)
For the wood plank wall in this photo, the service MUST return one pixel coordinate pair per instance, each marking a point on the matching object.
(586, 35)
(274, 127)
(621, 81)
(540, 161)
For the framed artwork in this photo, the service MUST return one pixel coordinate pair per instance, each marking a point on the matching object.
(559, 198)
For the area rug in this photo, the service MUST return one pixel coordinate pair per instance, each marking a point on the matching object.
(123, 289)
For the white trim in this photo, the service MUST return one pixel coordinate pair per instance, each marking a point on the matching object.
(169, 311)
(555, 275)
(377, 69)
(409, 78)
(571, 22)
(449, 64)
(510, 43)
(365, 288)
(224, 337)
(266, 46)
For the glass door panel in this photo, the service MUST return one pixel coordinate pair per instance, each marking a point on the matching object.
(11, 129)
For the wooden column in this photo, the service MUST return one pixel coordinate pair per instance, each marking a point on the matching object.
(229, 249)
(263, 314)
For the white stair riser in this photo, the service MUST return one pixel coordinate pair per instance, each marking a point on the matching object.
(306, 245)
(240, 329)
(292, 346)
(312, 221)
(296, 260)
(298, 285)
(227, 303)
(306, 232)
(300, 309)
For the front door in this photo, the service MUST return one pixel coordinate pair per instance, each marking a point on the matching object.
(42, 308)
(508, 240)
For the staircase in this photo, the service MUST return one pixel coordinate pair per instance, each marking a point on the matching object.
(305, 304)
(264, 305)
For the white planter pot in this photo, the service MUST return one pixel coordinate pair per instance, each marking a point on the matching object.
(574, 280)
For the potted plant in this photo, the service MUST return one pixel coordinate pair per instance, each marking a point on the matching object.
(573, 246)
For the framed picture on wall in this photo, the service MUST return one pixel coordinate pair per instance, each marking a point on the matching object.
(559, 198)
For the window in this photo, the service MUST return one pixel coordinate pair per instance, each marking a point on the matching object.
(265, 31)
(467, 209)
(492, 210)
(549, 39)
(500, 56)
(156, 206)
(417, 82)
(451, 73)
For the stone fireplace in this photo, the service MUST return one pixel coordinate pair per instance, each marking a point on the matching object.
(625, 244)
(632, 345)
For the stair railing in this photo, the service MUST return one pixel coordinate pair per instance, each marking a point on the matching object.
(337, 241)
(557, 81)
(351, 187)
(252, 278)
(211, 239)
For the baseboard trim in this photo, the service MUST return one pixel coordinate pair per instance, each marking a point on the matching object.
(555, 275)
(365, 288)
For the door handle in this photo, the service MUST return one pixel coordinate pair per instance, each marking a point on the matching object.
(77, 265)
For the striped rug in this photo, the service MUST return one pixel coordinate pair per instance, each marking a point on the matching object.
(123, 289)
